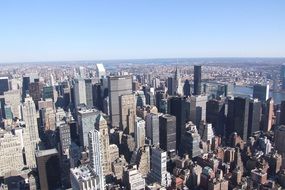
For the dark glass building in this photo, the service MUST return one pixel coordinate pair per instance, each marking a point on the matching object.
(261, 92)
(237, 118)
(215, 114)
(254, 116)
(197, 79)
(4, 85)
(283, 76)
(167, 132)
(186, 88)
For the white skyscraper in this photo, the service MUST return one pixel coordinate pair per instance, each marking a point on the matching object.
(140, 132)
(31, 133)
(100, 70)
(79, 92)
(96, 156)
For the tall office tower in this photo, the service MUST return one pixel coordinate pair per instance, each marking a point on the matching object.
(88, 92)
(102, 127)
(79, 90)
(150, 99)
(48, 92)
(283, 76)
(197, 79)
(83, 178)
(100, 70)
(178, 85)
(114, 152)
(11, 157)
(191, 141)
(171, 86)
(159, 96)
(133, 179)
(180, 108)
(127, 113)
(206, 132)
(82, 72)
(158, 171)
(118, 86)
(13, 98)
(86, 121)
(152, 128)
(261, 92)
(47, 117)
(143, 160)
(215, 114)
(140, 132)
(267, 118)
(254, 116)
(198, 106)
(237, 118)
(48, 165)
(4, 85)
(25, 86)
(96, 156)
(140, 99)
(279, 136)
(29, 116)
(36, 91)
(282, 110)
(167, 132)
(186, 88)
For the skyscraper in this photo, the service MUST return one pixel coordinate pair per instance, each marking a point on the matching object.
(32, 135)
(254, 116)
(100, 70)
(152, 128)
(96, 155)
(4, 85)
(127, 113)
(191, 140)
(186, 88)
(102, 127)
(197, 79)
(268, 113)
(215, 114)
(118, 86)
(237, 117)
(198, 106)
(283, 76)
(167, 132)
(178, 85)
(171, 86)
(79, 90)
(140, 132)
(261, 92)
(88, 93)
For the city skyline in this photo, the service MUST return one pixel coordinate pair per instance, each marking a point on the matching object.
(68, 31)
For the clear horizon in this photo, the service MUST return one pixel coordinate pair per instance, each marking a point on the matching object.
(47, 31)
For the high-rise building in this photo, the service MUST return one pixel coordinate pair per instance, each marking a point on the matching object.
(140, 132)
(206, 132)
(268, 113)
(84, 178)
(127, 113)
(237, 118)
(25, 86)
(100, 70)
(133, 179)
(180, 108)
(167, 132)
(36, 91)
(48, 165)
(197, 79)
(29, 116)
(261, 92)
(11, 157)
(254, 116)
(159, 172)
(13, 98)
(198, 106)
(143, 160)
(86, 123)
(283, 76)
(118, 86)
(282, 110)
(79, 90)
(152, 128)
(191, 141)
(96, 156)
(171, 86)
(178, 84)
(88, 93)
(215, 114)
(4, 85)
(102, 127)
(186, 88)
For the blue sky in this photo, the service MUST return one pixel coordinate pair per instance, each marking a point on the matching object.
(46, 30)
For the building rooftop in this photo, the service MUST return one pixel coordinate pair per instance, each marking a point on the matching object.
(83, 173)
(40, 153)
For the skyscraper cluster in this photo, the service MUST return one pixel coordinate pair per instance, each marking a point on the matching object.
(114, 129)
